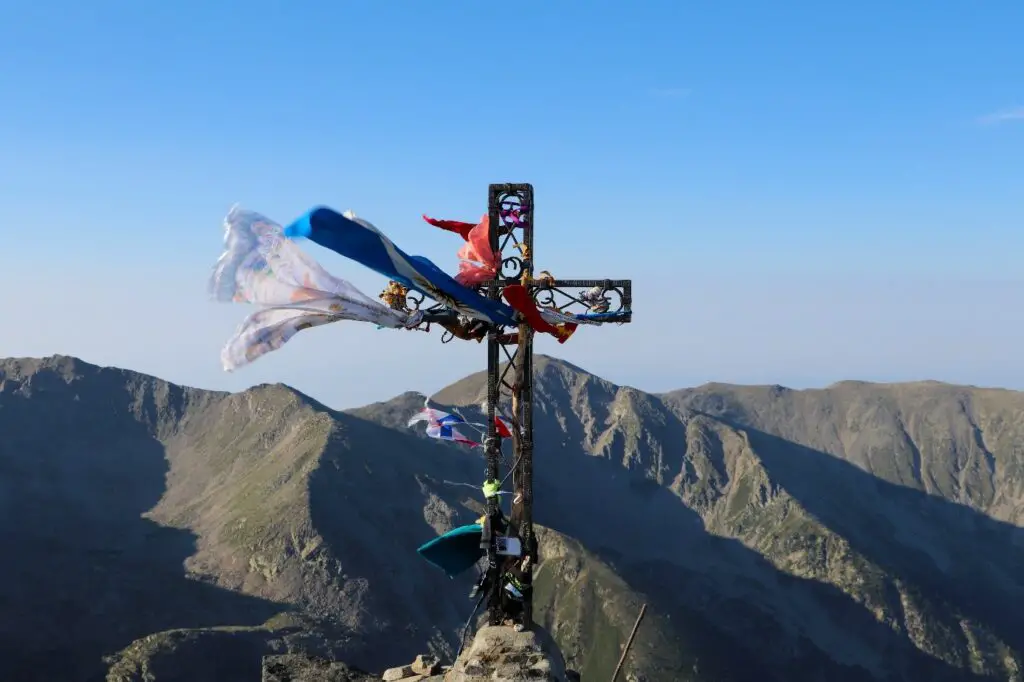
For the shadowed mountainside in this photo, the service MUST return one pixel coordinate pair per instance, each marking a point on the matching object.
(80, 465)
(159, 523)
(858, 565)
(857, 532)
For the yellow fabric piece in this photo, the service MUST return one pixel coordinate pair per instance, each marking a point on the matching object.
(491, 488)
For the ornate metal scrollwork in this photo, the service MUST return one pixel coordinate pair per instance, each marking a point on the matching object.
(400, 298)
(610, 298)
(511, 267)
(513, 216)
(414, 299)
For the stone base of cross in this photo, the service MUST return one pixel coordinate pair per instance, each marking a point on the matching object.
(511, 213)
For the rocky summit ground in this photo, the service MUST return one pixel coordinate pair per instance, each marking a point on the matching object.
(858, 532)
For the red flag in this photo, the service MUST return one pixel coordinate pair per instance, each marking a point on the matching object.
(457, 226)
(503, 428)
(521, 301)
(479, 261)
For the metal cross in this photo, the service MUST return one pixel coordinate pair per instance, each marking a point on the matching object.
(510, 209)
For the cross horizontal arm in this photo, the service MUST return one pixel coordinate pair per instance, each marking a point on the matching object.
(610, 283)
(611, 298)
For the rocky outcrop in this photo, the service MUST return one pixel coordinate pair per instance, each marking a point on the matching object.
(305, 668)
(497, 654)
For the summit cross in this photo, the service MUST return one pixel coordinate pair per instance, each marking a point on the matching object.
(510, 210)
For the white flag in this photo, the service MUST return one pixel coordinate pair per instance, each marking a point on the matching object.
(259, 265)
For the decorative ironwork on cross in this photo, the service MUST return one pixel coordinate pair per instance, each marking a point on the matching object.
(297, 293)
(511, 213)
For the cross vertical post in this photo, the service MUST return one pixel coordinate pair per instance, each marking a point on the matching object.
(510, 209)
(492, 443)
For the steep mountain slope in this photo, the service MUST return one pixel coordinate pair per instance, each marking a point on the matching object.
(859, 532)
(264, 493)
(927, 436)
(916, 487)
(799, 551)
(80, 465)
(190, 520)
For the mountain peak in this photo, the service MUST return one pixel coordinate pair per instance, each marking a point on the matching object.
(541, 361)
(809, 529)
(66, 366)
(394, 413)
(549, 374)
(278, 391)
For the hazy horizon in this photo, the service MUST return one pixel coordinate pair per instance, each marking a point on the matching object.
(792, 207)
(324, 396)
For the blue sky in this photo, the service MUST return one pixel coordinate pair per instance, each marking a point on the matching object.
(802, 192)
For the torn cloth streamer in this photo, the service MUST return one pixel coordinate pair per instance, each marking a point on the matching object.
(267, 330)
(259, 265)
(442, 425)
(362, 242)
(502, 425)
(479, 262)
(519, 298)
(457, 226)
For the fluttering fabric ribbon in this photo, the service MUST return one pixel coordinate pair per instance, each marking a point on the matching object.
(443, 426)
(361, 241)
(259, 265)
(267, 330)
(553, 316)
(559, 317)
(519, 298)
(437, 418)
(457, 226)
(502, 426)
(478, 261)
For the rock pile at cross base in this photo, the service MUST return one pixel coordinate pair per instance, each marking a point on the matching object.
(497, 654)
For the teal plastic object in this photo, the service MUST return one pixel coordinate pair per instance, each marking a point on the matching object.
(456, 551)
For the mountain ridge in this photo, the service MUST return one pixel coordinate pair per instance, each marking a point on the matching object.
(810, 561)
(692, 406)
(69, 362)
